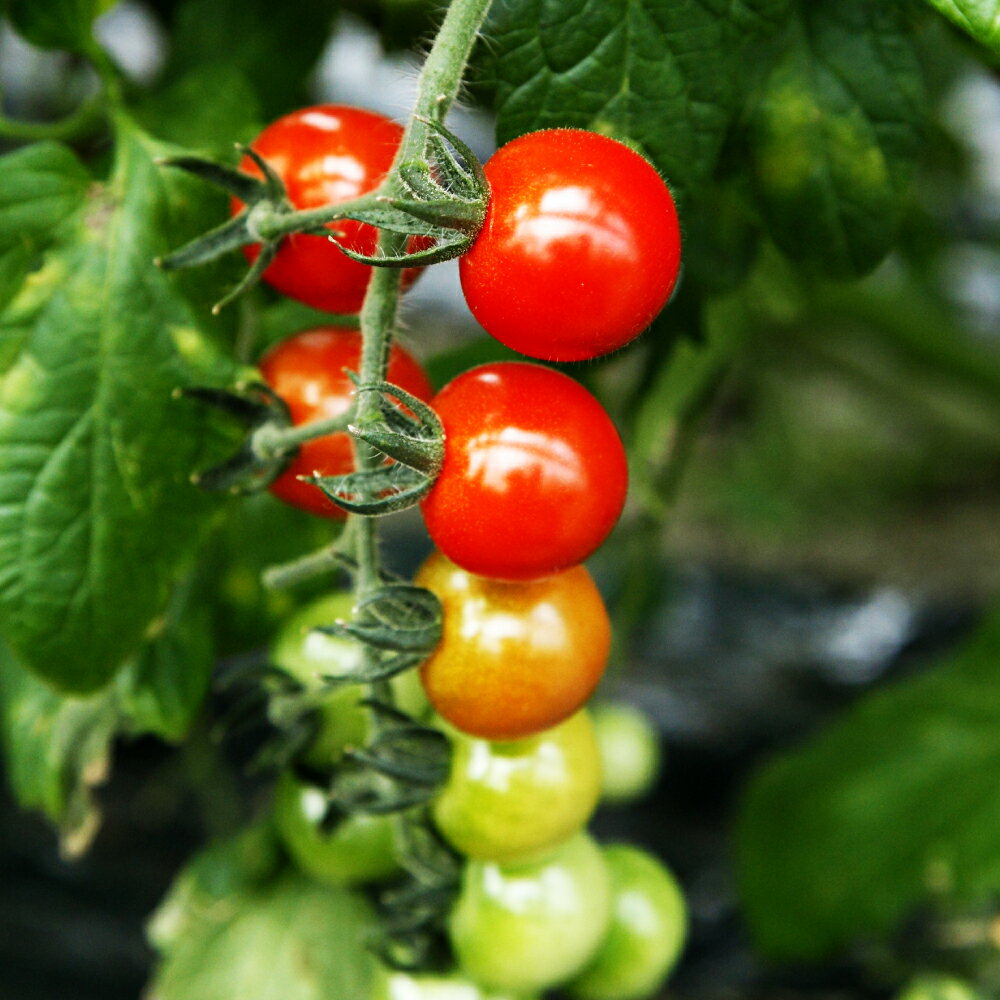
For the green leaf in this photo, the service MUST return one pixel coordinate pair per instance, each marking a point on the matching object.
(835, 134)
(56, 749)
(41, 186)
(97, 516)
(162, 689)
(663, 74)
(213, 883)
(893, 804)
(288, 940)
(980, 18)
(57, 24)
(259, 44)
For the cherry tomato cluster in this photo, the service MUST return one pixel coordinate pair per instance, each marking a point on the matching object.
(579, 252)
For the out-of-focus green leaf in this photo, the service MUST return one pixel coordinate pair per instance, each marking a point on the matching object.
(213, 884)
(290, 939)
(663, 74)
(56, 749)
(894, 803)
(97, 515)
(57, 24)
(980, 18)
(222, 49)
(162, 689)
(41, 186)
(835, 134)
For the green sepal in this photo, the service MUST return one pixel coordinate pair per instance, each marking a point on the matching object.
(253, 405)
(358, 789)
(374, 492)
(238, 183)
(413, 754)
(445, 249)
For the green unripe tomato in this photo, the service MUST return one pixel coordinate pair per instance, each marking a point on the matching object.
(630, 751)
(394, 985)
(936, 986)
(358, 849)
(307, 655)
(525, 928)
(513, 801)
(646, 934)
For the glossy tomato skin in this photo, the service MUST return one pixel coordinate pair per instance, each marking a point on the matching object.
(514, 658)
(307, 371)
(630, 751)
(526, 928)
(646, 933)
(326, 154)
(534, 475)
(357, 850)
(580, 249)
(515, 800)
(397, 985)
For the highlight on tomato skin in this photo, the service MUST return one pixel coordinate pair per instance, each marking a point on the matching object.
(526, 928)
(514, 658)
(307, 370)
(326, 154)
(534, 475)
(580, 248)
(514, 800)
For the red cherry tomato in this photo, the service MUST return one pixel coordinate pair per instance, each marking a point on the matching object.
(307, 371)
(580, 248)
(515, 659)
(326, 154)
(534, 474)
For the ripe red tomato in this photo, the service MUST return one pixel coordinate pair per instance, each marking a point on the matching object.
(580, 248)
(534, 474)
(326, 154)
(514, 658)
(307, 371)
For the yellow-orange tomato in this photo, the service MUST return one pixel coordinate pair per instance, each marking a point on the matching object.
(514, 658)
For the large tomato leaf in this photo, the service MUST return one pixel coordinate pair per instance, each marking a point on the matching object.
(289, 939)
(980, 18)
(56, 749)
(41, 186)
(896, 802)
(97, 516)
(835, 134)
(663, 74)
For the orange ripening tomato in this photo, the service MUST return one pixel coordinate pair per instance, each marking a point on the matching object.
(514, 658)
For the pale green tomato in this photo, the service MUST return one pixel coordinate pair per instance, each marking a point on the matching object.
(393, 985)
(525, 928)
(630, 751)
(307, 655)
(937, 986)
(358, 849)
(514, 800)
(646, 934)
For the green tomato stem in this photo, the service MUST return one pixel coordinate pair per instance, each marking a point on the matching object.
(273, 442)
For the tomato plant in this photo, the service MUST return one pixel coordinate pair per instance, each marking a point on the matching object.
(514, 658)
(629, 749)
(509, 801)
(309, 372)
(325, 154)
(534, 474)
(780, 413)
(526, 928)
(580, 249)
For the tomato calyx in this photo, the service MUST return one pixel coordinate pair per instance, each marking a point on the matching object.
(446, 196)
(406, 431)
(255, 406)
(444, 200)
(399, 623)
